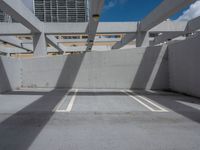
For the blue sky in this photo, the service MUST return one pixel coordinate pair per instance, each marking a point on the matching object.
(130, 10)
(135, 10)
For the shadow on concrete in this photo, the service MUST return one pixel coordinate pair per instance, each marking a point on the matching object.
(4, 81)
(20, 130)
(24, 92)
(143, 76)
(80, 93)
(147, 68)
(174, 104)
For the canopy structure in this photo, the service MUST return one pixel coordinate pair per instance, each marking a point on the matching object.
(115, 34)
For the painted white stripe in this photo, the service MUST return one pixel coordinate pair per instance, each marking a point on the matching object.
(149, 101)
(142, 103)
(151, 109)
(57, 107)
(71, 103)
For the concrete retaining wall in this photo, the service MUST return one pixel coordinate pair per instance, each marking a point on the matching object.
(10, 77)
(137, 68)
(117, 69)
(184, 66)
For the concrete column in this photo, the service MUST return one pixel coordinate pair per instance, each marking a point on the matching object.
(39, 44)
(142, 39)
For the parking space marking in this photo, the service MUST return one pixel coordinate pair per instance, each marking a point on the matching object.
(160, 109)
(149, 101)
(70, 105)
(57, 107)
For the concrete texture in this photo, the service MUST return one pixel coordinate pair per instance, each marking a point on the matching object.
(10, 77)
(100, 119)
(118, 69)
(184, 69)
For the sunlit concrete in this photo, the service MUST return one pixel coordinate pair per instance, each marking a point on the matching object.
(99, 119)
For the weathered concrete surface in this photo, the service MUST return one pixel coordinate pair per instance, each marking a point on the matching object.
(108, 70)
(112, 122)
(10, 77)
(184, 72)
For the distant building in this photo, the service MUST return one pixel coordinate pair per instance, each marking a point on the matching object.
(61, 10)
(5, 17)
(56, 11)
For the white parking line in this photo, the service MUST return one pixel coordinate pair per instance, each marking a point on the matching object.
(57, 107)
(70, 105)
(160, 109)
(149, 101)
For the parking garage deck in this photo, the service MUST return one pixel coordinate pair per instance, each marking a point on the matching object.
(98, 119)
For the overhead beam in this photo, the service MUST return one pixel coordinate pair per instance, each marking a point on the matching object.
(166, 9)
(169, 26)
(65, 28)
(96, 40)
(54, 43)
(9, 49)
(15, 42)
(116, 27)
(166, 37)
(18, 11)
(95, 11)
(157, 16)
(8, 29)
(22, 14)
(191, 26)
(125, 40)
(81, 28)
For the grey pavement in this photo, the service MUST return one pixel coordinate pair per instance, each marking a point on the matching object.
(98, 120)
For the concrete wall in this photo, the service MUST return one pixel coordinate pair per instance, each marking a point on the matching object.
(10, 78)
(184, 66)
(119, 69)
(123, 69)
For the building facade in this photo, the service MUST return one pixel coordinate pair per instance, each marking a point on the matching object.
(61, 10)
(5, 17)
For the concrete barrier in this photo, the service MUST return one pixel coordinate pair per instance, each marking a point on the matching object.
(184, 66)
(120, 69)
(10, 76)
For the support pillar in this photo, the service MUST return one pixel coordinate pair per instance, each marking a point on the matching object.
(142, 39)
(39, 44)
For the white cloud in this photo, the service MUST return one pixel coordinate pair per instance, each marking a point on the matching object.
(113, 3)
(110, 5)
(192, 12)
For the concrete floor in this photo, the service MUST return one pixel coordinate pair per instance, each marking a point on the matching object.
(98, 120)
